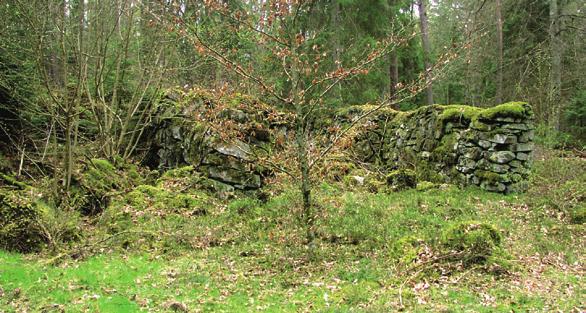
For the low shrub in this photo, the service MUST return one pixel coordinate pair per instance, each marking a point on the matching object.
(579, 215)
(474, 242)
(402, 179)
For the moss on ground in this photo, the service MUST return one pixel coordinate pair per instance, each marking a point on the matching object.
(476, 241)
(440, 250)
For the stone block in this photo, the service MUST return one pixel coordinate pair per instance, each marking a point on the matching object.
(501, 157)
(516, 126)
(522, 156)
(493, 187)
(484, 144)
(522, 147)
(498, 168)
(527, 136)
(504, 139)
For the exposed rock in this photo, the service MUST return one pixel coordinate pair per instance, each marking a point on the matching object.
(183, 137)
(503, 139)
(484, 144)
(494, 187)
(501, 157)
(522, 147)
(522, 156)
(527, 136)
(466, 165)
(237, 149)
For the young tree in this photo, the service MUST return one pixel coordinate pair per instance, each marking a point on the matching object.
(305, 63)
(424, 25)
(555, 77)
(500, 48)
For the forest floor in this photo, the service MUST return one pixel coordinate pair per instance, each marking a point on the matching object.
(374, 253)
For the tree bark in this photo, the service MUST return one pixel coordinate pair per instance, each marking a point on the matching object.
(424, 25)
(394, 75)
(499, 39)
(336, 46)
(555, 77)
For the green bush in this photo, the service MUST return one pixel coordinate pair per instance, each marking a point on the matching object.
(551, 138)
(575, 117)
(474, 241)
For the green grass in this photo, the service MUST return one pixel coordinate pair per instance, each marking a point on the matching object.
(248, 256)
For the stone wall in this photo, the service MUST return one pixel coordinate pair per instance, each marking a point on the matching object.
(489, 147)
(220, 137)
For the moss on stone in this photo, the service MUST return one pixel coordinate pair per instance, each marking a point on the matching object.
(153, 198)
(510, 109)
(100, 176)
(19, 222)
(12, 181)
(459, 113)
(475, 116)
(443, 152)
(490, 177)
(402, 179)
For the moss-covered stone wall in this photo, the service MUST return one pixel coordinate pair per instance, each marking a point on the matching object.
(489, 147)
(220, 136)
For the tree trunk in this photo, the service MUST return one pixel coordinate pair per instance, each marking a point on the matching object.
(305, 183)
(499, 39)
(426, 49)
(555, 77)
(394, 75)
(336, 46)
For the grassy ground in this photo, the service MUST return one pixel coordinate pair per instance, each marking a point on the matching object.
(249, 256)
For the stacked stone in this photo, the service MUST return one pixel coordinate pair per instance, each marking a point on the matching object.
(496, 157)
(180, 140)
(466, 146)
(490, 148)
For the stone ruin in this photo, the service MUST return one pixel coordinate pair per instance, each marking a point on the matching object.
(183, 136)
(490, 147)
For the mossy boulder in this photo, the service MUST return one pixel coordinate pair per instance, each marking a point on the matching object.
(402, 179)
(97, 181)
(472, 241)
(20, 222)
